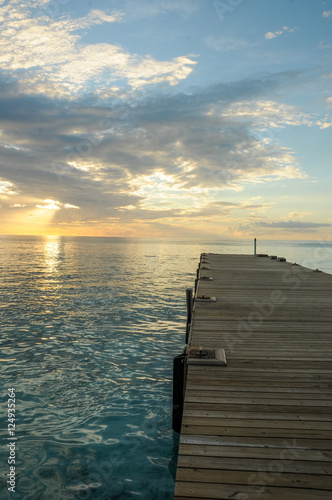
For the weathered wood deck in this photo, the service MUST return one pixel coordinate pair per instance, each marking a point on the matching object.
(260, 427)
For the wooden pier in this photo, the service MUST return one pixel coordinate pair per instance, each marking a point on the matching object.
(259, 427)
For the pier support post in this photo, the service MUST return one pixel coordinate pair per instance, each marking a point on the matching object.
(255, 244)
(189, 297)
(178, 390)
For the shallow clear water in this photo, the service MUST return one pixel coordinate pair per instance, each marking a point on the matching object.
(89, 329)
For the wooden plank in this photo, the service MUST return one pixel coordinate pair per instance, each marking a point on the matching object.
(256, 464)
(244, 396)
(257, 431)
(276, 478)
(260, 389)
(320, 410)
(212, 491)
(253, 453)
(314, 417)
(253, 422)
(242, 384)
(258, 442)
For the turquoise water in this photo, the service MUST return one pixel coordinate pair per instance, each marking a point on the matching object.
(89, 329)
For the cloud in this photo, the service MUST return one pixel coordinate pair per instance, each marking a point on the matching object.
(50, 205)
(291, 224)
(146, 9)
(268, 113)
(166, 158)
(324, 124)
(226, 43)
(68, 205)
(285, 29)
(279, 228)
(7, 188)
(299, 215)
(49, 57)
(327, 13)
(55, 205)
(323, 45)
(160, 152)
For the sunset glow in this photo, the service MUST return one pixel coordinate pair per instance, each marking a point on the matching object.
(166, 119)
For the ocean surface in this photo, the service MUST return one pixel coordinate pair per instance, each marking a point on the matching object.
(88, 331)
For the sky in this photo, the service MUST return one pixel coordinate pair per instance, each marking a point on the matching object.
(175, 118)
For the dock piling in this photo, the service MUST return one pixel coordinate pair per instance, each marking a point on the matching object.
(189, 299)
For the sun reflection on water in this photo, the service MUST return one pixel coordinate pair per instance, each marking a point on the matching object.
(52, 249)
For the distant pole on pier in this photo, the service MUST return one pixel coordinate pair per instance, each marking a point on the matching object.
(255, 244)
